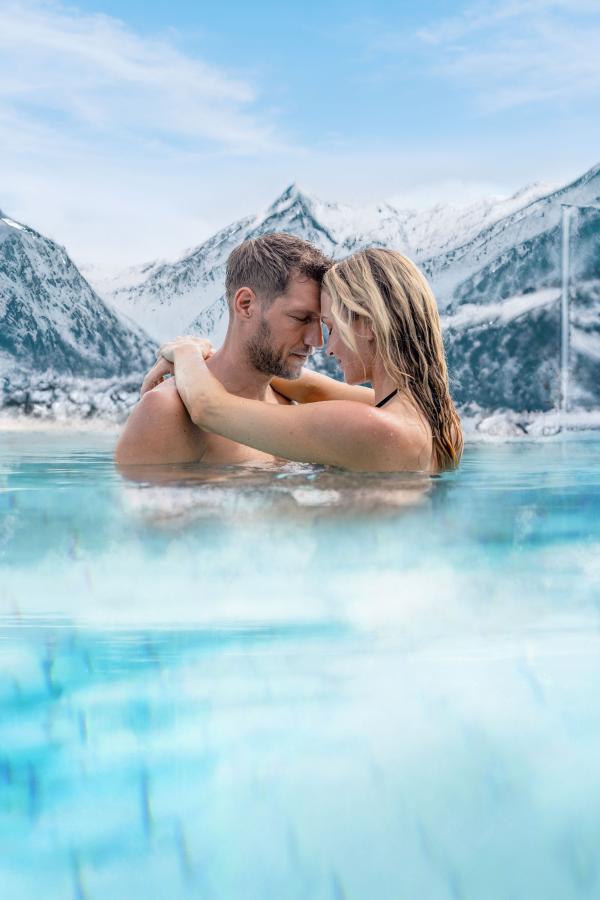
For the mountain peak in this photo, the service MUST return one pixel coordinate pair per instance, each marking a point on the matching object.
(291, 191)
(292, 194)
(533, 191)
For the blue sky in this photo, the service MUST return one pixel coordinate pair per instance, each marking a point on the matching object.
(131, 130)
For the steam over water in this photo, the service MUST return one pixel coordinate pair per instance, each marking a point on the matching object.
(297, 682)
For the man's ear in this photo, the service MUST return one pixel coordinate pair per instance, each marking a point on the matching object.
(244, 302)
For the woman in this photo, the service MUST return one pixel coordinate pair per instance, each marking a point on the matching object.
(384, 328)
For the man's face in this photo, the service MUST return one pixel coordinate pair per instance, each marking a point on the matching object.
(288, 330)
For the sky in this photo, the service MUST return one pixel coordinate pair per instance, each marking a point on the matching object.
(131, 130)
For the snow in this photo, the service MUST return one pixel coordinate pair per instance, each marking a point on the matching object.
(585, 342)
(12, 223)
(504, 311)
(417, 233)
(55, 317)
(106, 280)
(508, 425)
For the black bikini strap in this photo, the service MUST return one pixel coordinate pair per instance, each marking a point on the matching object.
(385, 399)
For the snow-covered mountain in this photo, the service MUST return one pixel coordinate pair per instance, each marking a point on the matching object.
(495, 267)
(52, 320)
(171, 298)
(520, 251)
(501, 295)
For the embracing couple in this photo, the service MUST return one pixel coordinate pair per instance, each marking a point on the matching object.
(252, 401)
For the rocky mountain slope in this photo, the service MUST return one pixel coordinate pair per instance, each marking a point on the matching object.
(51, 319)
(501, 293)
(63, 350)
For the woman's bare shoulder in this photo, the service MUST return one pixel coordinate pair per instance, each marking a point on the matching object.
(365, 438)
(411, 434)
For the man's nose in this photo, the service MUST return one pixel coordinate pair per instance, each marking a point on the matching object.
(314, 334)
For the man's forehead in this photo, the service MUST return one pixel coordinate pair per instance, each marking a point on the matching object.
(303, 294)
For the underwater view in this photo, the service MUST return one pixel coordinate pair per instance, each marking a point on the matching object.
(239, 683)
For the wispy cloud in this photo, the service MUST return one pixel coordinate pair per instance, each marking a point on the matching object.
(91, 74)
(483, 16)
(115, 143)
(125, 146)
(519, 52)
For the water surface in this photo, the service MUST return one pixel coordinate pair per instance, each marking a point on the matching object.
(299, 683)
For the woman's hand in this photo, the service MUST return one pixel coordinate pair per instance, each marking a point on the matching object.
(167, 351)
(199, 390)
(156, 375)
(164, 362)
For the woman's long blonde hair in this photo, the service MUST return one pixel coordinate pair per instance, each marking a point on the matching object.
(388, 290)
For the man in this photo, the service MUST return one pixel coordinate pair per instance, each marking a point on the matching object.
(272, 285)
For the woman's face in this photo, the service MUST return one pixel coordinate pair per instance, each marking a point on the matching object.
(356, 366)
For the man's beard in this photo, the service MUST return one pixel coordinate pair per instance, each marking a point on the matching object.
(264, 358)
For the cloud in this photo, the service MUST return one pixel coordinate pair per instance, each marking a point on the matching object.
(519, 52)
(117, 144)
(124, 147)
(484, 16)
(90, 75)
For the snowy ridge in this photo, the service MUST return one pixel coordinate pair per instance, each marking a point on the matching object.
(174, 294)
(504, 311)
(168, 297)
(417, 233)
(452, 272)
(10, 223)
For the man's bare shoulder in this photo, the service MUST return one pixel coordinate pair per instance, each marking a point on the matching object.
(159, 430)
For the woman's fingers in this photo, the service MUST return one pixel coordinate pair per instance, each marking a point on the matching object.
(203, 344)
(168, 350)
(206, 347)
(156, 374)
(166, 357)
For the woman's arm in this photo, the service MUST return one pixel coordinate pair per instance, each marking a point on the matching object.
(163, 367)
(337, 433)
(313, 387)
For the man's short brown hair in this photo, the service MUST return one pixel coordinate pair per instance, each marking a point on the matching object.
(266, 263)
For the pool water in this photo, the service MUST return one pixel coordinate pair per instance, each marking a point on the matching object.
(299, 683)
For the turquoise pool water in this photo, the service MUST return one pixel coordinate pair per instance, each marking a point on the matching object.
(299, 684)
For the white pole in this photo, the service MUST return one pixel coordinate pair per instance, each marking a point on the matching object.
(564, 331)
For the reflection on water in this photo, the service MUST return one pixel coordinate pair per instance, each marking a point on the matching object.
(292, 491)
(299, 682)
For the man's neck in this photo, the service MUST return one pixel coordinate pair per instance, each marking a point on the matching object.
(236, 373)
